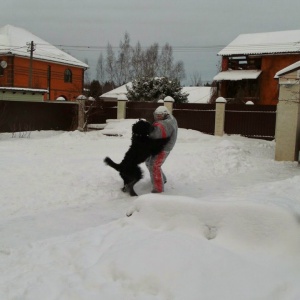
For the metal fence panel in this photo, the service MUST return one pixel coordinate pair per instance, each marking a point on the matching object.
(101, 111)
(255, 121)
(141, 110)
(28, 116)
(194, 116)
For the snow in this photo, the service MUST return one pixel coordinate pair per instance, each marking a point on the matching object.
(288, 69)
(13, 40)
(226, 227)
(263, 43)
(237, 75)
(23, 89)
(197, 94)
(60, 98)
(117, 92)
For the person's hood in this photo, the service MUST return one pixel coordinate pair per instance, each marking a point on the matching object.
(161, 110)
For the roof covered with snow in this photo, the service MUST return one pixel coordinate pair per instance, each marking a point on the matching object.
(288, 69)
(264, 43)
(13, 40)
(237, 75)
(197, 94)
(117, 92)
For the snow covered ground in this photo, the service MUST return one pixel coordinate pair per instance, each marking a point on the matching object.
(226, 227)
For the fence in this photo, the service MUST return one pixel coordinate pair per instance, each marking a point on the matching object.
(257, 121)
(28, 116)
(100, 111)
(200, 117)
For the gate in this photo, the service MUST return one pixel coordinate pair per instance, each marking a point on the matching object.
(255, 121)
(200, 117)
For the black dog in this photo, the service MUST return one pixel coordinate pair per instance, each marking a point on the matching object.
(142, 146)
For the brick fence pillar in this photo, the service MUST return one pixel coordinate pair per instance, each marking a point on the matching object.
(121, 112)
(287, 132)
(168, 102)
(81, 113)
(220, 116)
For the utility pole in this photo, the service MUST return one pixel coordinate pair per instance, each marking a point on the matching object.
(31, 48)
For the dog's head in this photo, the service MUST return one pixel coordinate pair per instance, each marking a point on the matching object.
(142, 128)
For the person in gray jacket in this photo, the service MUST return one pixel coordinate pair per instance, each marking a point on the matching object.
(165, 125)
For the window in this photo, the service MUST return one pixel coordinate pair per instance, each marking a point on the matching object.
(1, 71)
(68, 75)
(244, 63)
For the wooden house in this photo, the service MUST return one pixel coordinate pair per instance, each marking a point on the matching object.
(250, 62)
(31, 68)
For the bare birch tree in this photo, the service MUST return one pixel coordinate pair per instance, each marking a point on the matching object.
(137, 61)
(87, 73)
(131, 63)
(150, 64)
(100, 69)
(123, 63)
(166, 61)
(178, 71)
(195, 79)
(110, 63)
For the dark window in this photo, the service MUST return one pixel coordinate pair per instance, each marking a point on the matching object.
(1, 71)
(244, 63)
(68, 75)
(241, 91)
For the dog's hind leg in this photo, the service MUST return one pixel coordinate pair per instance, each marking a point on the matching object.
(130, 178)
(137, 176)
(128, 185)
(129, 188)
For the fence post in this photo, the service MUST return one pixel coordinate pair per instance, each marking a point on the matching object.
(287, 132)
(168, 102)
(220, 116)
(81, 113)
(121, 112)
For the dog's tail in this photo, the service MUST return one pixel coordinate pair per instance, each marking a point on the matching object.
(111, 163)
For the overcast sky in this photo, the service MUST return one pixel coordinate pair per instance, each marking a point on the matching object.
(203, 26)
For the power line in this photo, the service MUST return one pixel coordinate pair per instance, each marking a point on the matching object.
(96, 48)
(174, 48)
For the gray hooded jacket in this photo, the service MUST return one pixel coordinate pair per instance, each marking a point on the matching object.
(167, 127)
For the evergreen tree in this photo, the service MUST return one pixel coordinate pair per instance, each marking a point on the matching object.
(95, 89)
(108, 86)
(152, 89)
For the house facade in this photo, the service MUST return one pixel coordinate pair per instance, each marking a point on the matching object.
(30, 66)
(250, 62)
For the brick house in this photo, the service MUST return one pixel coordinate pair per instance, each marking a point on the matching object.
(31, 68)
(250, 62)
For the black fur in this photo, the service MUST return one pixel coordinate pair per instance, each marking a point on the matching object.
(142, 146)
